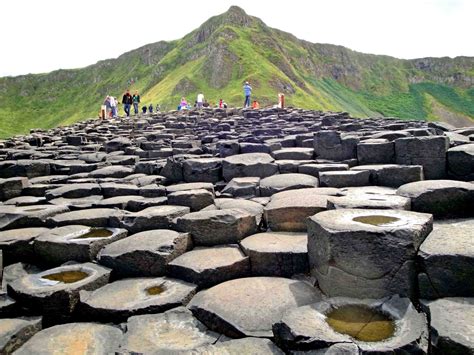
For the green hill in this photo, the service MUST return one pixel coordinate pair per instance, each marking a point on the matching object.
(233, 47)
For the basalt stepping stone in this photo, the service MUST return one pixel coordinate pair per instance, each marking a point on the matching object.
(392, 175)
(14, 332)
(447, 260)
(190, 186)
(74, 242)
(374, 326)
(430, 152)
(194, 199)
(277, 253)
(376, 151)
(120, 202)
(12, 187)
(55, 292)
(175, 330)
(26, 201)
(452, 319)
(12, 217)
(293, 153)
(202, 170)
(119, 300)
(366, 253)
(248, 165)
(146, 253)
(115, 171)
(17, 244)
(254, 208)
(442, 198)
(17, 271)
(218, 226)
(288, 210)
(369, 201)
(249, 345)
(137, 205)
(245, 187)
(461, 162)
(249, 306)
(369, 190)
(206, 267)
(77, 203)
(284, 182)
(114, 189)
(159, 217)
(74, 338)
(315, 169)
(93, 217)
(344, 178)
(74, 191)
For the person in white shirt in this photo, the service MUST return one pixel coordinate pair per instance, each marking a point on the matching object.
(200, 100)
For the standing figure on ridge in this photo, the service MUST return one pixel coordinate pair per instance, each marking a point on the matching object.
(184, 104)
(127, 102)
(199, 101)
(113, 104)
(136, 101)
(247, 93)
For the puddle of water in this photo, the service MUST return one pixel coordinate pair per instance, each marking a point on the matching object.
(361, 323)
(95, 233)
(67, 277)
(376, 220)
(155, 290)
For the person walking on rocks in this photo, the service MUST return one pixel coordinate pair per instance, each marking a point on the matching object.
(108, 106)
(127, 102)
(136, 101)
(113, 104)
(247, 93)
(199, 101)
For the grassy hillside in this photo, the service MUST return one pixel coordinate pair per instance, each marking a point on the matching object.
(233, 47)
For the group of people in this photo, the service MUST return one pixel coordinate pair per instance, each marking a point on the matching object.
(110, 104)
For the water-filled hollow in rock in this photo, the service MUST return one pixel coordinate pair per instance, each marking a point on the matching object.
(376, 220)
(95, 233)
(155, 290)
(361, 322)
(67, 277)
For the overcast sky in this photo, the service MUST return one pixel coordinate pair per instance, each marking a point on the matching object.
(44, 35)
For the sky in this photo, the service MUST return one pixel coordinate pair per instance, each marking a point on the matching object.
(39, 36)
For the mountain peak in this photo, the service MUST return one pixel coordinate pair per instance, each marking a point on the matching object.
(236, 16)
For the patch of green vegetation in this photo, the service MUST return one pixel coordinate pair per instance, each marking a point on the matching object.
(218, 57)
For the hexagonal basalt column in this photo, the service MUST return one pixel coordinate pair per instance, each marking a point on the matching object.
(74, 338)
(146, 253)
(277, 253)
(76, 242)
(174, 330)
(56, 291)
(385, 326)
(447, 260)
(366, 253)
(249, 306)
(14, 332)
(452, 321)
(288, 210)
(121, 299)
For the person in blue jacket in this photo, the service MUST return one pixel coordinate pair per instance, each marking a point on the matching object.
(247, 93)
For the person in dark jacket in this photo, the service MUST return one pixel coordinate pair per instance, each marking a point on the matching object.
(127, 102)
